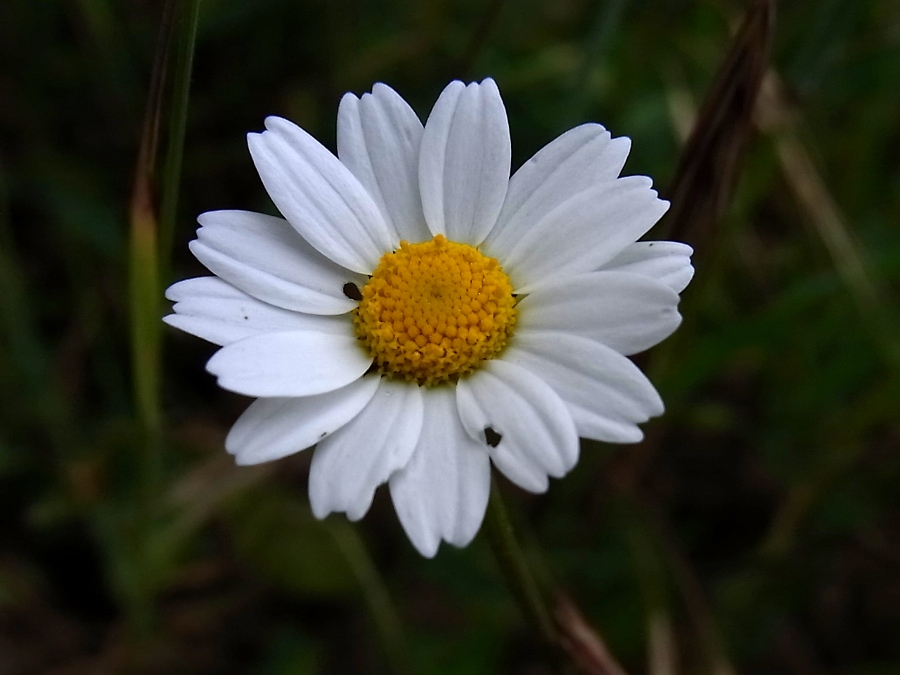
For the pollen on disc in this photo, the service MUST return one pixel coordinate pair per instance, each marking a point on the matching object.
(433, 311)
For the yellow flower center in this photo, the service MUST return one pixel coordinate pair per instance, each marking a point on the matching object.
(434, 311)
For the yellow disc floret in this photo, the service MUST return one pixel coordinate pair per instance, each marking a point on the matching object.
(435, 310)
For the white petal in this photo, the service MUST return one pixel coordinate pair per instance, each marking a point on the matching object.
(319, 196)
(442, 493)
(606, 393)
(666, 261)
(537, 435)
(464, 162)
(577, 160)
(272, 428)
(584, 232)
(265, 257)
(378, 139)
(217, 311)
(348, 465)
(625, 311)
(299, 363)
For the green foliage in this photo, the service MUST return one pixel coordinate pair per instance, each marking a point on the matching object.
(760, 517)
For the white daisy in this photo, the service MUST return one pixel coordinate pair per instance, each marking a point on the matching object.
(418, 314)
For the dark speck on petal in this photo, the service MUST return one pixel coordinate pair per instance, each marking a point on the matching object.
(352, 291)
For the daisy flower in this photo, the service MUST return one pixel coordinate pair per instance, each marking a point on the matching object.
(417, 314)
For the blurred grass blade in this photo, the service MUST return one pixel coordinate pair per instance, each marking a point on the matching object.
(777, 118)
(811, 192)
(186, 21)
(152, 230)
(662, 652)
(710, 162)
(685, 576)
(143, 253)
(582, 642)
(145, 308)
(135, 561)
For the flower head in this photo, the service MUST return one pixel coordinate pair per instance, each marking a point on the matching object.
(418, 314)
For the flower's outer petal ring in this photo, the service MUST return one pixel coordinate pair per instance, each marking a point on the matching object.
(574, 162)
(216, 311)
(464, 161)
(272, 428)
(442, 493)
(265, 257)
(319, 196)
(668, 262)
(348, 465)
(298, 363)
(378, 139)
(625, 311)
(584, 232)
(606, 393)
(537, 436)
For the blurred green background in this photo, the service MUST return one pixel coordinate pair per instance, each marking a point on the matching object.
(757, 530)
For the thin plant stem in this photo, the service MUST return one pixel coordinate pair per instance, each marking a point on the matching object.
(556, 617)
(375, 593)
(515, 567)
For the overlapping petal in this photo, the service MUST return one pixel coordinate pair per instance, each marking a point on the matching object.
(348, 465)
(442, 493)
(319, 196)
(579, 159)
(265, 257)
(272, 428)
(606, 393)
(216, 311)
(464, 161)
(668, 262)
(531, 433)
(296, 363)
(584, 232)
(625, 311)
(378, 139)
